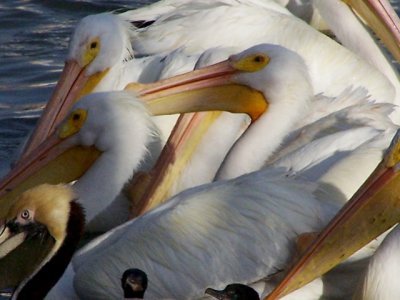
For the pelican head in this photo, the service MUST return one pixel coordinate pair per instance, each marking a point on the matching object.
(98, 43)
(104, 137)
(134, 283)
(40, 233)
(277, 77)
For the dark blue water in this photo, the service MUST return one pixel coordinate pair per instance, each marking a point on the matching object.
(33, 44)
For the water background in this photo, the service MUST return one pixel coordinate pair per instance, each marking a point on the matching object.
(34, 38)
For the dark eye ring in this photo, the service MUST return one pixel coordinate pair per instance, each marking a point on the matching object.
(25, 214)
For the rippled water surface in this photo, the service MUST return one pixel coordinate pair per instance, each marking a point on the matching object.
(33, 44)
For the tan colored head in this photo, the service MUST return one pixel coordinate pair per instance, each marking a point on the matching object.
(46, 204)
(39, 235)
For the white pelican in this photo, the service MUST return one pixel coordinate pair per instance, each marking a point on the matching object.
(188, 179)
(104, 124)
(373, 210)
(100, 59)
(120, 114)
(88, 61)
(341, 124)
(40, 234)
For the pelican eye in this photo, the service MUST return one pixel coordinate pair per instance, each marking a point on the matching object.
(25, 214)
(91, 51)
(76, 117)
(93, 45)
(73, 124)
(251, 63)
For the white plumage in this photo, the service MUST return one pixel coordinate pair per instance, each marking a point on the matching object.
(239, 230)
(220, 24)
(379, 279)
(193, 231)
(120, 127)
(265, 210)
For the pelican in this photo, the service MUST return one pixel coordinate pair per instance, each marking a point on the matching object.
(109, 151)
(351, 119)
(373, 210)
(230, 168)
(40, 234)
(100, 58)
(97, 135)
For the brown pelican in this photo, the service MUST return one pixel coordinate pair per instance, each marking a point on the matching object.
(40, 233)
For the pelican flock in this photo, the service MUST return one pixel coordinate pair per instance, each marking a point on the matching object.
(285, 147)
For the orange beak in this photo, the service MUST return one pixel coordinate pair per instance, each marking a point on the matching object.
(203, 90)
(55, 161)
(71, 82)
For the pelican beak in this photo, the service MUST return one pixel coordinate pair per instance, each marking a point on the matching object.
(382, 19)
(14, 234)
(72, 85)
(175, 156)
(19, 242)
(209, 89)
(56, 160)
(5, 235)
(373, 209)
(11, 237)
